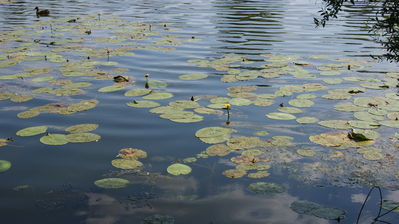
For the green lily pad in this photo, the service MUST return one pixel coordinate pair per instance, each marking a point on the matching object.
(304, 207)
(112, 183)
(112, 88)
(307, 120)
(81, 128)
(213, 135)
(204, 110)
(261, 133)
(390, 123)
(337, 124)
(364, 124)
(243, 142)
(234, 173)
(258, 174)
(301, 103)
(348, 107)
(182, 116)
(364, 134)
(333, 81)
(28, 114)
(143, 104)
(158, 96)
(43, 79)
(193, 76)
(339, 140)
(280, 116)
(240, 102)
(31, 131)
(218, 150)
(54, 139)
(126, 163)
(282, 140)
(137, 92)
(82, 137)
(21, 98)
(290, 110)
(366, 116)
(185, 104)
(265, 188)
(306, 152)
(165, 110)
(178, 169)
(4, 165)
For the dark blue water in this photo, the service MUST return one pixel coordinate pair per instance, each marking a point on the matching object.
(61, 179)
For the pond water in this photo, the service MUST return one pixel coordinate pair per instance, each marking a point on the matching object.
(292, 105)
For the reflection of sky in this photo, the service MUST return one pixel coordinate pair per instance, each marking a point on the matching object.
(232, 205)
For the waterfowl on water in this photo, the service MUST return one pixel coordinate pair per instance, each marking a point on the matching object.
(44, 12)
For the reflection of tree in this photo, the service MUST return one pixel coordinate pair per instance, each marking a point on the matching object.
(385, 24)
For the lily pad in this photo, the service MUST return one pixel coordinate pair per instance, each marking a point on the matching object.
(301, 103)
(314, 209)
(131, 153)
(54, 139)
(364, 134)
(306, 152)
(280, 116)
(82, 137)
(182, 116)
(158, 96)
(31, 131)
(213, 135)
(243, 142)
(178, 169)
(157, 84)
(196, 76)
(81, 128)
(390, 123)
(4, 165)
(126, 163)
(218, 150)
(137, 92)
(185, 104)
(21, 98)
(364, 124)
(338, 140)
(112, 88)
(234, 173)
(307, 120)
(337, 124)
(265, 188)
(290, 110)
(28, 114)
(111, 183)
(258, 174)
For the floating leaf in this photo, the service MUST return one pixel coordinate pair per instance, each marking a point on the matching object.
(314, 209)
(259, 174)
(111, 183)
(196, 76)
(82, 137)
(337, 124)
(185, 104)
(54, 139)
(157, 84)
(218, 150)
(137, 92)
(337, 139)
(348, 107)
(31, 131)
(126, 163)
(43, 79)
(240, 102)
(4, 165)
(363, 135)
(204, 110)
(178, 169)
(261, 133)
(234, 173)
(243, 142)
(306, 152)
(282, 140)
(390, 123)
(366, 116)
(143, 104)
(307, 120)
(81, 128)
(112, 88)
(265, 188)
(213, 135)
(371, 153)
(158, 96)
(364, 124)
(131, 153)
(28, 114)
(182, 116)
(290, 110)
(21, 98)
(301, 103)
(280, 116)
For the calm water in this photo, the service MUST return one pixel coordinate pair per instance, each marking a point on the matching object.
(61, 179)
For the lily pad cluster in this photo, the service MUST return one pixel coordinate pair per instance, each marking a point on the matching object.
(129, 158)
(314, 209)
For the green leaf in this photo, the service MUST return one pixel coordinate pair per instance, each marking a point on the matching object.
(112, 183)
(178, 169)
(32, 131)
(54, 139)
(4, 165)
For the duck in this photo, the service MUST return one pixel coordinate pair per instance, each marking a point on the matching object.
(44, 12)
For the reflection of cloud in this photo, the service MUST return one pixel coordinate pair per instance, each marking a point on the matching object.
(231, 206)
(358, 198)
(392, 195)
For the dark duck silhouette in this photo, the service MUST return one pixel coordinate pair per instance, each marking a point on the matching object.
(44, 12)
